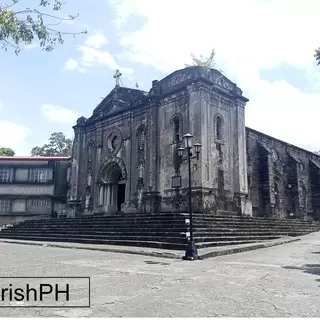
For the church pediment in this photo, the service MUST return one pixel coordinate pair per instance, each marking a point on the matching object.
(118, 100)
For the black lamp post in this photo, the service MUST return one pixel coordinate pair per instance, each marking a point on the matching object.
(191, 251)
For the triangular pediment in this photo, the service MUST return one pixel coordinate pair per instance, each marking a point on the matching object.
(118, 100)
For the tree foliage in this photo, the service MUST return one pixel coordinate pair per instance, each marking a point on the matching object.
(202, 61)
(6, 152)
(317, 56)
(23, 27)
(58, 145)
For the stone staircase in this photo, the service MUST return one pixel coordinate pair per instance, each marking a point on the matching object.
(166, 231)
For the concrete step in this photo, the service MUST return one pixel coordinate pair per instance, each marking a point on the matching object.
(246, 225)
(152, 244)
(232, 238)
(39, 234)
(158, 238)
(159, 231)
(225, 243)
(226, 213)
(102, 230)
(101, 223)
(168, 232)
(156, 232)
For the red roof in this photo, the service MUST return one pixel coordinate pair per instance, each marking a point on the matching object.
(28, 158)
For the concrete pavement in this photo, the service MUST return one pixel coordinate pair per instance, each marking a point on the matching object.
(158, 252)
(281, 281)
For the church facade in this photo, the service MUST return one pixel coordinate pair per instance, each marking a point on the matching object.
(125, 156)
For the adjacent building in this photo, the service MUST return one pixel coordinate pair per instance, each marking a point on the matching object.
(32, 187)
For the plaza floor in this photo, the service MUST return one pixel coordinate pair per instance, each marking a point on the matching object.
(281, 281)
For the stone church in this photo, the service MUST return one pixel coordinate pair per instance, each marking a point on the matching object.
(125, 156)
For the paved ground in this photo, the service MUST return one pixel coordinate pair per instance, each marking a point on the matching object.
(281, 281)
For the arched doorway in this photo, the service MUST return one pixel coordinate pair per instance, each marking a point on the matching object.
(112, 186)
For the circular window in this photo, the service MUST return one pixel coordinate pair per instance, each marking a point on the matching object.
(113, 141)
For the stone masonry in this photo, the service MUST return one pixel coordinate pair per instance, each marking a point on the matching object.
(125, 154)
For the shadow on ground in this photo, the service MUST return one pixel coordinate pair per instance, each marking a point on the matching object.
(313, 269)
(156, 262)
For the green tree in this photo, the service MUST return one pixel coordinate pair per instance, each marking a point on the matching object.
(58, 145)
(317, 56)
(207, 62)
(24, 26)
(6, 152)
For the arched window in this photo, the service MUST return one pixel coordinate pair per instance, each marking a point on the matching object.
(176, 128)
(90, 150)
(176, 122)
(141, 139)
(219, 128)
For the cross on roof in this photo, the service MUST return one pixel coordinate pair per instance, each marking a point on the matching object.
(117, 76)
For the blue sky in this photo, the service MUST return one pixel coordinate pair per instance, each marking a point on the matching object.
(266, 47)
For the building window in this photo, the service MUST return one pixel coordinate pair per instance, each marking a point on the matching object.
(141, 139)
(41, 175)
(176, 128)
(89, 152)
(38, 203)
(219, 128)
(176, 122)
(91, 149)
(4, 206)
(5, 175)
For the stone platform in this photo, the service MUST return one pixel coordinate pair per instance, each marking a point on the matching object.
(166, 231)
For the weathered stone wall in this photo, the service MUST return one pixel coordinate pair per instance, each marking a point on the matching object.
(239, 170)
(280, 177)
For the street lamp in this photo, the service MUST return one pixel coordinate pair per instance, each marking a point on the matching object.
(191, 251)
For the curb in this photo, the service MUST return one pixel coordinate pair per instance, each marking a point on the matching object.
(168, 255)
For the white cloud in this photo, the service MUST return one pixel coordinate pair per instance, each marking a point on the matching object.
(59, 114)
(93, 58)
(96, 41)
(92, 55)
(71, 64)
(13, 135)
(248, 37)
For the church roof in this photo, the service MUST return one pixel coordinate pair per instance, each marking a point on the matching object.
(118, 100)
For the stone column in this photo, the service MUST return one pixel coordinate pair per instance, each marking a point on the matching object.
(101, 191)
(108, 194)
